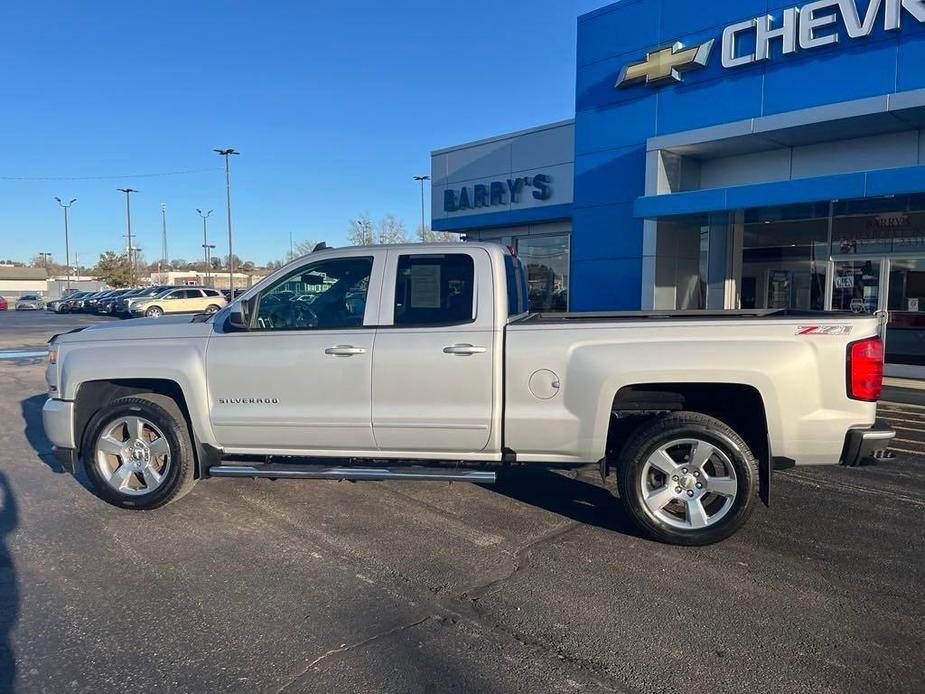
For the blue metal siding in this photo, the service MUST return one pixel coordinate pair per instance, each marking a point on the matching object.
(865, 184)
(609, 177)
(503, 219)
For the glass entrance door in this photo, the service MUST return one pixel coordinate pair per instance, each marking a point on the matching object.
(905, 334)
(856, 285)
(895, 286)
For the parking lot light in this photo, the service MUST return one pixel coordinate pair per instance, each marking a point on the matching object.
(227, 153)
(205, 242)
(67, 250)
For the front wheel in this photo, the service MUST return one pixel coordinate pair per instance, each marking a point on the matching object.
(154, 312)
(138, 453)
(687, 478)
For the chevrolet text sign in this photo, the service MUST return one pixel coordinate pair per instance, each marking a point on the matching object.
(814, 25)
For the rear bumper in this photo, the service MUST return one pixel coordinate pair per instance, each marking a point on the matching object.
(861, 444)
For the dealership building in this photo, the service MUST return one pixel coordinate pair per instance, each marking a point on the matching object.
(725, 154)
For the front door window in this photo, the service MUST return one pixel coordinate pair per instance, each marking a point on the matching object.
(327, 295)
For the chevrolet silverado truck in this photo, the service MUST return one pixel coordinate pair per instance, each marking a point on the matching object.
(421, 362)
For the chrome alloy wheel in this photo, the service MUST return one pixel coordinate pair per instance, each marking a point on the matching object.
(132, 456)
(689, 484)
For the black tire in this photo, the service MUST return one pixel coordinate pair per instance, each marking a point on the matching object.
(154, 312)
(666, 429)
(212, 308)
(163, 412)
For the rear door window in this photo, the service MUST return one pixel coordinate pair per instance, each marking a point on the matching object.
(436, 289)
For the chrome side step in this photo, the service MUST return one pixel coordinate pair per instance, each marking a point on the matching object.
(321, 472)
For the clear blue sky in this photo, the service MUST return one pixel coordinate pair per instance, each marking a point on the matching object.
(334, 106)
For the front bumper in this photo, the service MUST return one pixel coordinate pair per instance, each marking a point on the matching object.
(861, 444)
(58, 422)
(67, 458)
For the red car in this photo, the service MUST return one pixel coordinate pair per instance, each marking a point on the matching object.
(3, 304)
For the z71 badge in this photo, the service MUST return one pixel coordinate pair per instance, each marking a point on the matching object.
(824, 330)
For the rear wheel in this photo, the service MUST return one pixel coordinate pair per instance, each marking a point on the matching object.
(687, 478)
(138, 453)
(211, 308)
(154, 312)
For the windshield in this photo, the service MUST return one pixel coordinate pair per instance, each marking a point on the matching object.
(28, 297)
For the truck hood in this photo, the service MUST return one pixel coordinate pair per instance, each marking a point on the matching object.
(166, 327)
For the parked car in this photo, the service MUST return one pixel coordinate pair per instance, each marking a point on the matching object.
(4, 304)
(69, 303)
(180, 300)
(105, 305)
(89, 304)
(446, 374)
(30, 302)
(123, 305)
(56, 304)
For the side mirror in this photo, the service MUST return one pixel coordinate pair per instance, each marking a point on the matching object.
(239, 317)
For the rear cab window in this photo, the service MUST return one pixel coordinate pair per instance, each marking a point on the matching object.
(516, 279)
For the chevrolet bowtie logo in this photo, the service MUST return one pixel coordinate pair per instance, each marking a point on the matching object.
(666, 64)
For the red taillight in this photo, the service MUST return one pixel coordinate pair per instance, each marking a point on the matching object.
(865, 369)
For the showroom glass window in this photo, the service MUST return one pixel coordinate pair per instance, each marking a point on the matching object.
(547, 261)
(327, 295)
(785, 252)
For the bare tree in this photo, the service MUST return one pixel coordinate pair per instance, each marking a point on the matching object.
(428, 235)
(362, 231)
(392, 230)
(300, 249)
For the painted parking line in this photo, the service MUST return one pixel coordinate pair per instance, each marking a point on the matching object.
(909, 442)
(906, 451)
(900, 405)
(904, 420)
(33, 354)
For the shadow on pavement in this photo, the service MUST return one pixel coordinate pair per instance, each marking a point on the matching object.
(35, 435)
(35, 432)
(566, 496)
(9, 593)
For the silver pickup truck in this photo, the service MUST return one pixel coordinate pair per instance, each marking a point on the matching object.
(421, 362)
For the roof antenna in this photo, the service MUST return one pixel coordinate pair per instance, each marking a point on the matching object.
(320, 247)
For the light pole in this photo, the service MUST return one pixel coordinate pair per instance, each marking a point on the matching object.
(205, 242)
(45, 256)
(128, 220)
(67, 250)
(227, 154)
(421, 179)
(163, 259)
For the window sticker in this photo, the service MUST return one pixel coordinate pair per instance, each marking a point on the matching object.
(425, 286)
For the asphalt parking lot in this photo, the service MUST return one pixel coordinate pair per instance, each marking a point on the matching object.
(535, 585)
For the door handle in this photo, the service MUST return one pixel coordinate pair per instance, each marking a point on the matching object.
(464, 350)
(344, 351)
